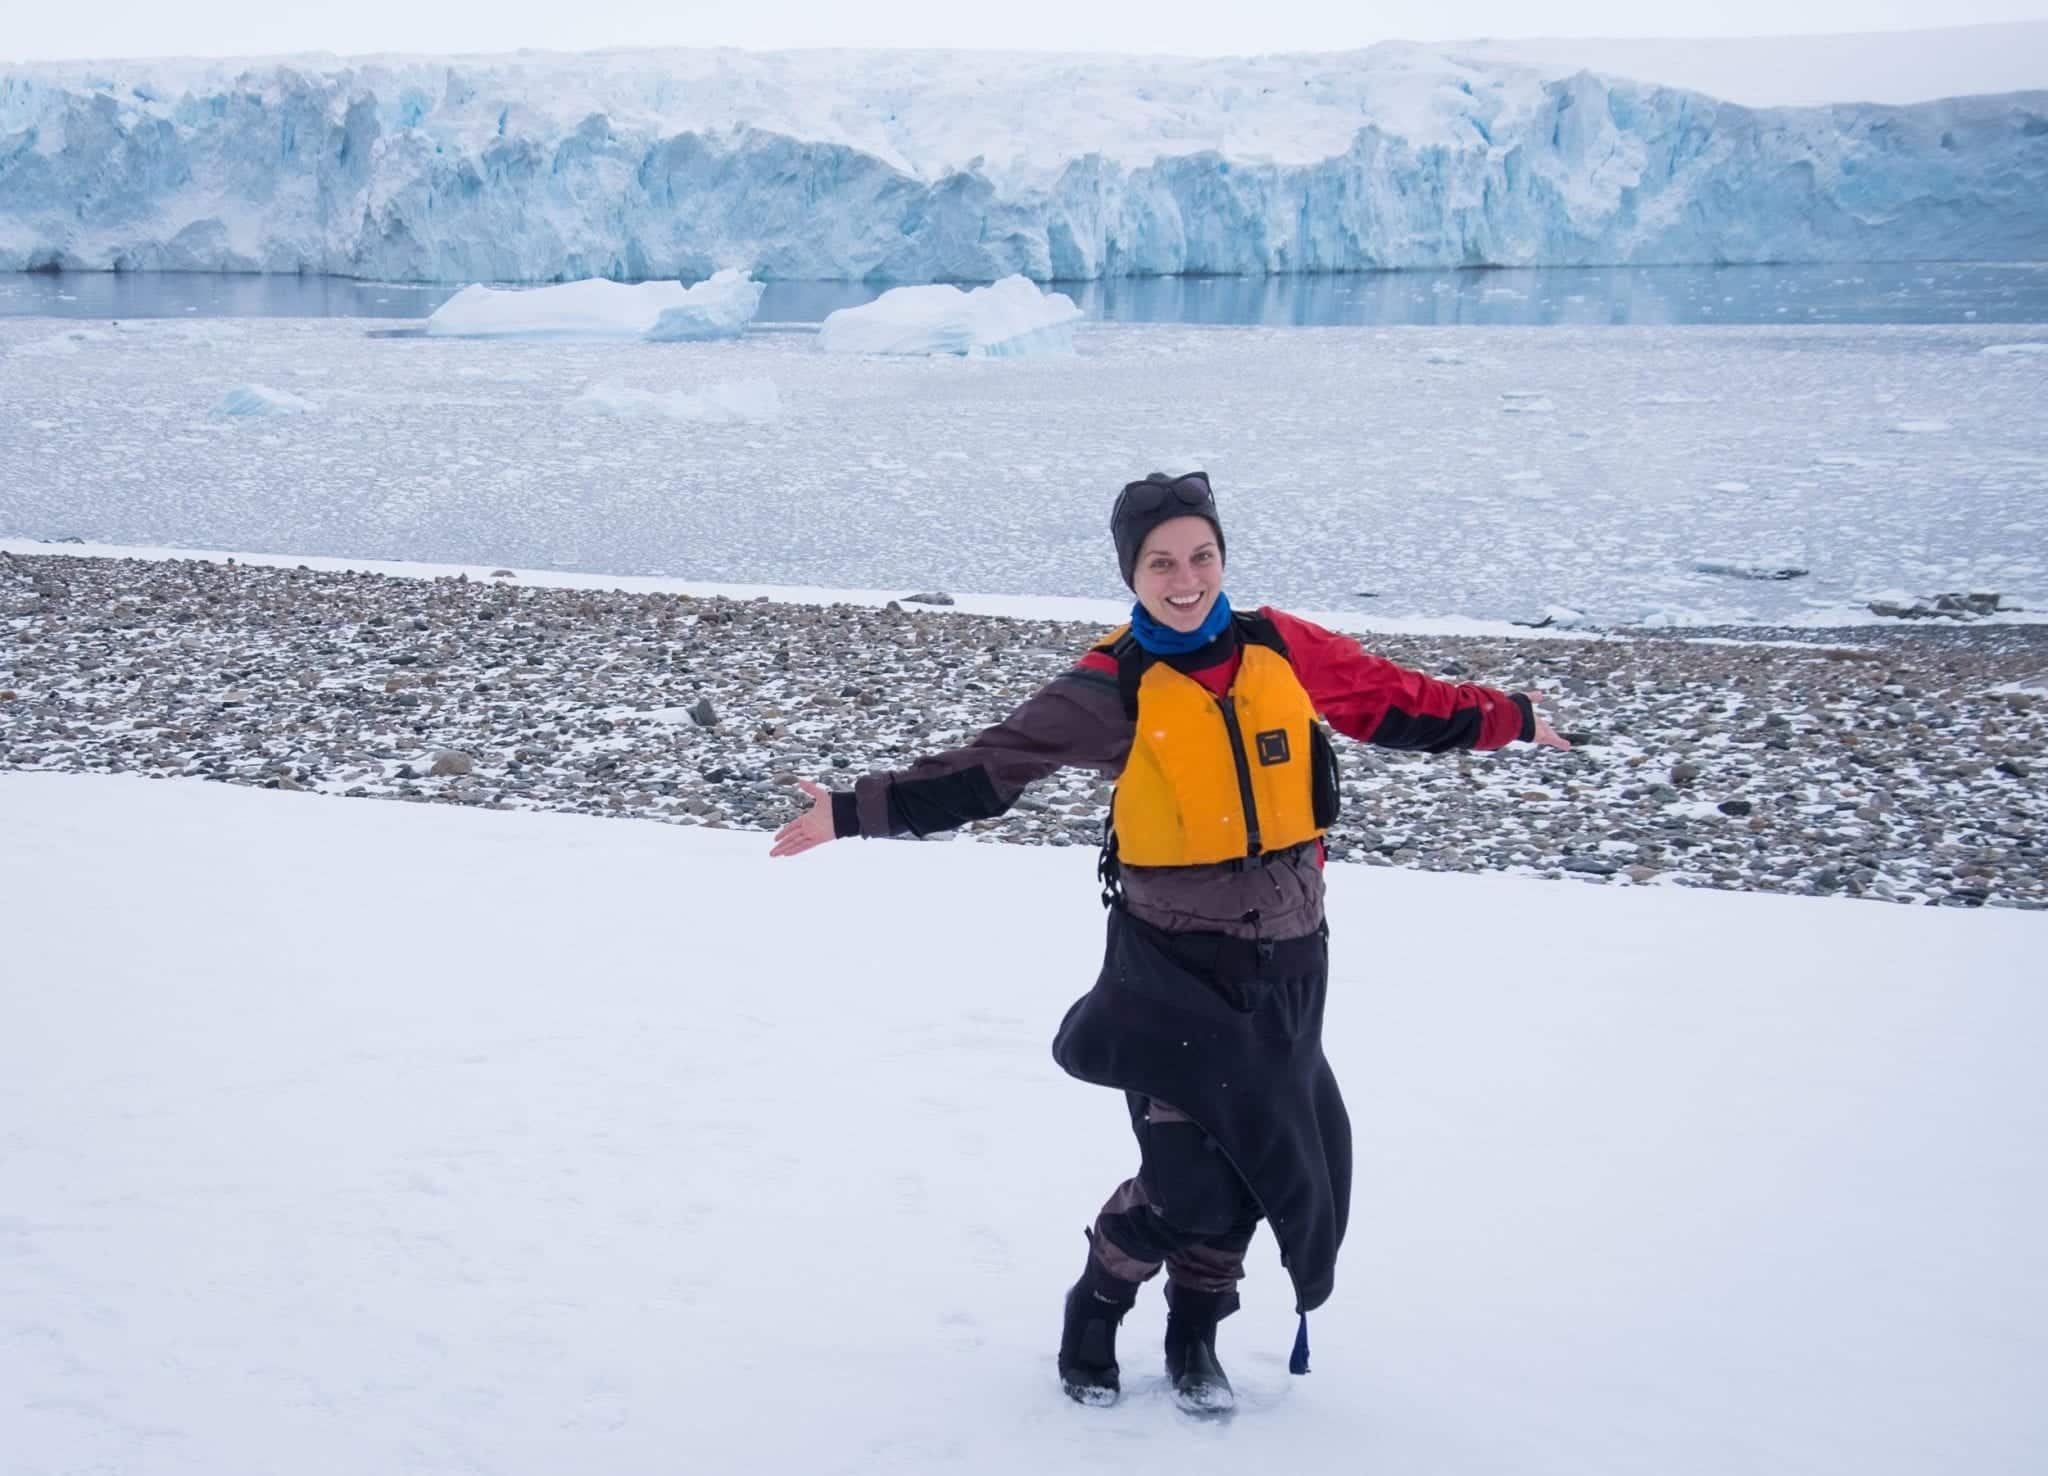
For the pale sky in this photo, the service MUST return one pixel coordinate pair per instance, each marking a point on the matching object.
(110, 28)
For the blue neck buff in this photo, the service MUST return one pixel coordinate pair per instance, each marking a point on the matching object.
(1161, 640)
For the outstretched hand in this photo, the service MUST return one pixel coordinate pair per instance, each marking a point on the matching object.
(812, 828)
(1546, 735)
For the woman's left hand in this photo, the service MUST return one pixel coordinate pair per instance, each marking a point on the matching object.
(1546, 735)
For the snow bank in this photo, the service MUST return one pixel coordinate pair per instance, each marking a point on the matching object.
(719, 307)
(261, 399)
(1102, 612)
(1724, 1183)
(1008, 319)
(752, 400)
(931, 166)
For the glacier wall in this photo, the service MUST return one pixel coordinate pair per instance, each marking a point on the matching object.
(675, 165)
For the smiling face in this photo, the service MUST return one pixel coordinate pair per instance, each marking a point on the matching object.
(1179, 571)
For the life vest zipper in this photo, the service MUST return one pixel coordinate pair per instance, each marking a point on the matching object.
(1244, 775)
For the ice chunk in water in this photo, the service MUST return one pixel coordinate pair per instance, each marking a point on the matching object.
(719, 307)
(1011, 318)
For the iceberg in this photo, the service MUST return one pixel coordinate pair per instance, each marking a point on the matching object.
(1008, 319)
(719, 307)
(910, 166)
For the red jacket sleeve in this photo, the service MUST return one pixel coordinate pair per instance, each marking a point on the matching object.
(1368, 697)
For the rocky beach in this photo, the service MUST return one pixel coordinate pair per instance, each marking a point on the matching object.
(1899, 764)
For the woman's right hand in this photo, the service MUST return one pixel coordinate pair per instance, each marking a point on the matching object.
(812, 828)
(1545, 735)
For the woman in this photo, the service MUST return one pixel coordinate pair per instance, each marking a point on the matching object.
(1208, 1010)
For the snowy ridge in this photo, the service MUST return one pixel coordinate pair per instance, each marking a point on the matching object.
(1107, 613)
(914, 166)
(1802, 71)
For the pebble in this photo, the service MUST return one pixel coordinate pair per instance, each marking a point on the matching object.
(1590, 865)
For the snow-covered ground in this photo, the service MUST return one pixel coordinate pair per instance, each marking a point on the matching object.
(345, 1137)
(1489, 473)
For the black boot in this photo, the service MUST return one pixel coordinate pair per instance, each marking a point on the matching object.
(1095, 1305)
(1199, 1384)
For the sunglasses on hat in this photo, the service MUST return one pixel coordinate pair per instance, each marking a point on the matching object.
(1191, 490)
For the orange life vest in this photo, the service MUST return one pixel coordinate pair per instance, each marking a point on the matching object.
(1219, 778)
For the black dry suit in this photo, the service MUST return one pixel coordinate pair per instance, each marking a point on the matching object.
(1228, 1030)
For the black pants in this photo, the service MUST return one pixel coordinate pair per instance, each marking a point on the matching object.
(1186, 1209)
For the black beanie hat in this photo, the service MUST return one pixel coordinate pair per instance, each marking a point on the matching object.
(1143, 506)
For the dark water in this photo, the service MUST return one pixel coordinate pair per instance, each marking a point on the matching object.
(1912, 292)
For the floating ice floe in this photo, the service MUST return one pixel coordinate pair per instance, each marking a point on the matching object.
(719, 307)
(1920, 427)
(1007, 319)
(2029, 347)
(751, 400)
(1751, 568)
(1525, 402)
(261, 399)
(1957, 605)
